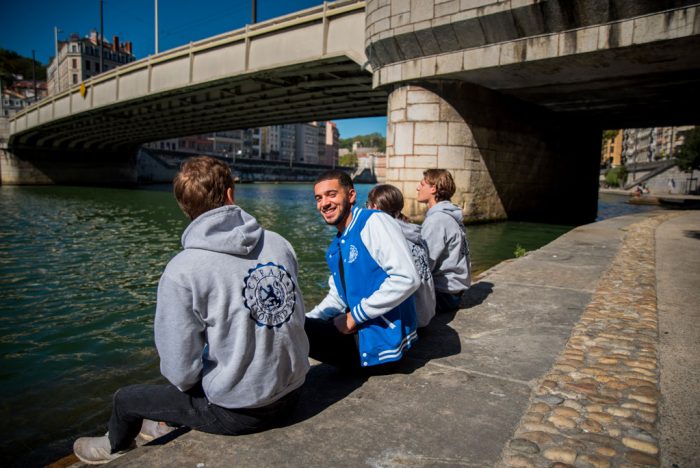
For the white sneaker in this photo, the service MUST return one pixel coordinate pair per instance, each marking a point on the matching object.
(151, 430)
(96, 450)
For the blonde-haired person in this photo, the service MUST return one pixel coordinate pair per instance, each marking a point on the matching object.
(389, 199)
(229, 326)
(445, 235)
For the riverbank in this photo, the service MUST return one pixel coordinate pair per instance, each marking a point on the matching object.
(555, 357)
(674, 200)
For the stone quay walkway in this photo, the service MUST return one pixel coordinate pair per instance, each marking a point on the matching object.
(582, 353)
(599, 405)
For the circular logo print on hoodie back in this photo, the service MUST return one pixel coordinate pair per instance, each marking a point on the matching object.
(269, 295)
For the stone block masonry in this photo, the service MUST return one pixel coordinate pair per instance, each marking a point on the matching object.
(598, 405)
(508, 160)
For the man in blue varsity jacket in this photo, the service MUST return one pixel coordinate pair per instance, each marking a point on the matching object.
(368, 318)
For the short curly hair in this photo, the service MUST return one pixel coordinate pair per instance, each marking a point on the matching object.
(201, 185)
(443, 182)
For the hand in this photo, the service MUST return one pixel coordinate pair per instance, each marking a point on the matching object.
(345, 324)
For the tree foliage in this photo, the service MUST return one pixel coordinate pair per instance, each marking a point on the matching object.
(11, 63)
(688, 154)
(616, 176)
(609, 135)
(373, 140)
(348, 160)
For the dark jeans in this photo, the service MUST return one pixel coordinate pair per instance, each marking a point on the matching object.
(328, 345)
(166, 403)
(447, 302)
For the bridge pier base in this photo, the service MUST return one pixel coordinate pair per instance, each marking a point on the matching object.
(509, 160)
(50, 168)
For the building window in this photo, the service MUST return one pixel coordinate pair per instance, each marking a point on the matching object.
(75, 63)
(87, 65)
(97, 67)
(75, 78)
(73, 48)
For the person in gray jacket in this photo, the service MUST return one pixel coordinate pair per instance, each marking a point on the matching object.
(389, 199)
(446, 238)
(229, 325)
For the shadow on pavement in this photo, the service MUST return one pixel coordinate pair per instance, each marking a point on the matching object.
(476, 294)
(324, 386)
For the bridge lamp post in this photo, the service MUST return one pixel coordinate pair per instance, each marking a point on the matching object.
(156, 21)
(56, 70)
(102, 40)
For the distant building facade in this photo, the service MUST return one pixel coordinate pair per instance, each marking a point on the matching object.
(79, 59)
(611, 152)
(332, 145)
(643, 145)
(310, 143)
(307, 143)
(20, 95)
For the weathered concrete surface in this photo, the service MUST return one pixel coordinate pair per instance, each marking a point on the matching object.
(614, 62)
(469, 381)
(678, 297)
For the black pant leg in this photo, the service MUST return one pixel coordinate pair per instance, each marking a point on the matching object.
(134, 403)
(328, 345)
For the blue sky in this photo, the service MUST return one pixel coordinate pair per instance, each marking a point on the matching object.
(30, 26)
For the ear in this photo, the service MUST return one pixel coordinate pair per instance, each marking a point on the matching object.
(229, 196)
(352, 195)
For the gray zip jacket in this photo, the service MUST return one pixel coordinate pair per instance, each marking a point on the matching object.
(230, 313)
(448, 247)
(425, 294)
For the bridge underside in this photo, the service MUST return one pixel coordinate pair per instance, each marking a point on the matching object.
(651, 85)
(332, 88)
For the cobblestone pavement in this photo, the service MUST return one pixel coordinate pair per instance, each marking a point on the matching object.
(598, 405)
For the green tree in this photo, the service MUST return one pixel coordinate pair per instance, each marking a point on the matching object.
(348, 160)
(616, 176)
(12, 63)
(688, 154)
(373, 140)
(609, 135)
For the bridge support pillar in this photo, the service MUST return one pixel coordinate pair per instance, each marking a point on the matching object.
(509, 160)
(50, 168)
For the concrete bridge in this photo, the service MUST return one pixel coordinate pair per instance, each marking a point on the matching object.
(510, 96)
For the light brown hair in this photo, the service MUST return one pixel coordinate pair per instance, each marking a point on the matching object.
(387, 198)
(443, 182)
(201, 185)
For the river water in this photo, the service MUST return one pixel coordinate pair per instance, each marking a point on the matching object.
(79, 268)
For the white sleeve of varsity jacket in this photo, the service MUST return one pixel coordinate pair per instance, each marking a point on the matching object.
(330, 306)
(388, 247)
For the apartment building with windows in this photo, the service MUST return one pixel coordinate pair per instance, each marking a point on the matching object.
(79, 59)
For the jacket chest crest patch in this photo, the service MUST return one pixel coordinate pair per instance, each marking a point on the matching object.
(353, 254)
(269, 294)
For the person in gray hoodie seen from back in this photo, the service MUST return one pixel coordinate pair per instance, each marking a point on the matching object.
(229, 326)
(389, 199)
(446, 238)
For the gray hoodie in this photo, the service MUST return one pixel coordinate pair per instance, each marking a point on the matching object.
(448, 247)
(425, 294)
(230, 312)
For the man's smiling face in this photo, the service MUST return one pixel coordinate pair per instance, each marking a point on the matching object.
(334, 203)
